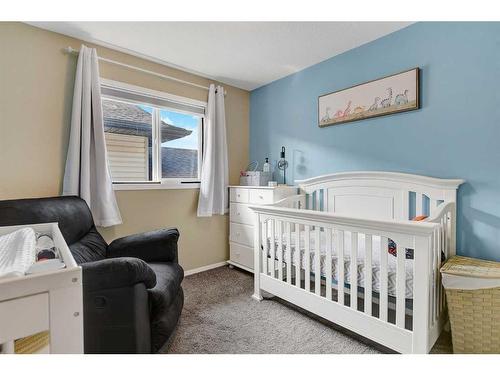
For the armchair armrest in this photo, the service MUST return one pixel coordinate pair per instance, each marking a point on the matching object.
(117, 273)
(155, 246)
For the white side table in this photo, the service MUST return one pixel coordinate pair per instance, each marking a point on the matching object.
(49, 301)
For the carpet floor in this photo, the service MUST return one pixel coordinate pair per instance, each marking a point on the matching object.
(220, 316)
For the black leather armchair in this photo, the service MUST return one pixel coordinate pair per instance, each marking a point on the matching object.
(132, 295)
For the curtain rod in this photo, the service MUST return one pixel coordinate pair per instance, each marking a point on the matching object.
(71, 50)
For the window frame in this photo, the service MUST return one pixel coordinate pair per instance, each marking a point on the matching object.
(158, 182)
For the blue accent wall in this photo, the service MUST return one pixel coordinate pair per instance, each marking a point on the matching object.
(455, 134)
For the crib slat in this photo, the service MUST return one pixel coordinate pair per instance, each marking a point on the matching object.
(400, 286)
(307, 258)
(368, 274)
(418, 204)
(405, 209)
(438, 287)
(280, 250)
(325, 200)
(265, 249)
(288, 253)
(339, 244)
(445, 237)
(272, 263)
(446, 249)
(433, 205)
(328, 263)
(297, 255)
(437, 263)
(317, 260)
(432, 289)
(354, 270)
(383, 279)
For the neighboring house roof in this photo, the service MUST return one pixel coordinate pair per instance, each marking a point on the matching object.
(124, 118)
(179, 162)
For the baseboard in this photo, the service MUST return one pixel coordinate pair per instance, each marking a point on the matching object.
(204, 268)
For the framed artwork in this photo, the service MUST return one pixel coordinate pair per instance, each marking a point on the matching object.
(384, 96)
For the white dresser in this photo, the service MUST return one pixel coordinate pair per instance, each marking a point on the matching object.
(241, 219)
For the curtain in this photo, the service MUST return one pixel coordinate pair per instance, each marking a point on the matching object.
(214, 171)
(86, 173)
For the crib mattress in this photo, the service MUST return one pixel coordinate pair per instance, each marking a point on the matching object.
(391, 261)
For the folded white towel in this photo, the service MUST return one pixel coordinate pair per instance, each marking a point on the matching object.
(17, 252)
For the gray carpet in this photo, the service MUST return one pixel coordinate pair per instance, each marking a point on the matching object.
(219, 316)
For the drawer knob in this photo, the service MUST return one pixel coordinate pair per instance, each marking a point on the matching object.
(237, 213)
(261, 197)
(239, 195)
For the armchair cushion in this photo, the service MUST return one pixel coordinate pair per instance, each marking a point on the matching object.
(117, 273)
(155, 246)
(89, 248)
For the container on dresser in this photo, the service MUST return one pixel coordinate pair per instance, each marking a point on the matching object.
(241, 219)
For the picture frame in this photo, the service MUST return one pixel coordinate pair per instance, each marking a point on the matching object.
(391, 94)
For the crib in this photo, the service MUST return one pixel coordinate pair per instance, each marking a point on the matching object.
(326, 250)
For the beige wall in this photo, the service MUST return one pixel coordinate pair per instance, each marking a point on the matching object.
(36, 83)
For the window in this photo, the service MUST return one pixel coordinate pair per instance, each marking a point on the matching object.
(152, 138)
(180, 145)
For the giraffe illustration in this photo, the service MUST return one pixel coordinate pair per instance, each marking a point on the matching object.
(345, 112)
(387, 101)
(374, 106)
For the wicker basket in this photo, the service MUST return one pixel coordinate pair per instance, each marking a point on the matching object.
(32, 344)
(474, 311)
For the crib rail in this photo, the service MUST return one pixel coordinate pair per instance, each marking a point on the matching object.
(339, 267)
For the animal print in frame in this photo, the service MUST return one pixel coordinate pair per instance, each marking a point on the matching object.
(392, 94)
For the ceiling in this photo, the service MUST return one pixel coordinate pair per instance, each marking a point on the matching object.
(242, 54)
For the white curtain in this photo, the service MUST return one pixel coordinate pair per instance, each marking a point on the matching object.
(214, 170)
(86, 173)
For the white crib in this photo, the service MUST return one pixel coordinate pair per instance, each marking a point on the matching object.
(349, 219)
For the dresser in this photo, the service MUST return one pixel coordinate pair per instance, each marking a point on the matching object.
(241, 219)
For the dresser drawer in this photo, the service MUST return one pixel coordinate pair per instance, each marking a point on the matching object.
(241, 254)
(240, 213)
(241, 233)
(239, 195)
(261, 196)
